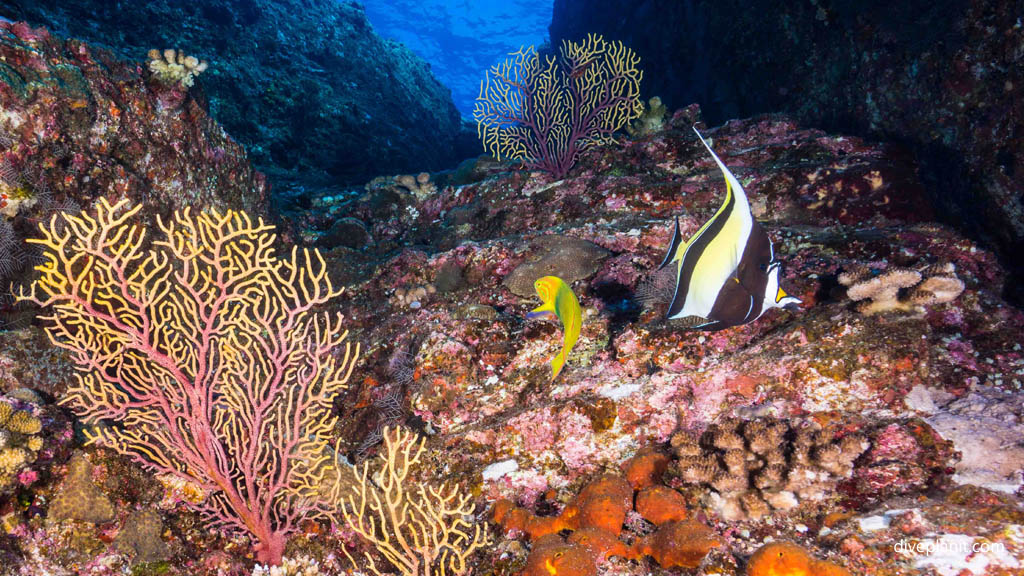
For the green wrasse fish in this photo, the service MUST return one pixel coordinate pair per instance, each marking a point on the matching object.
(559, 301)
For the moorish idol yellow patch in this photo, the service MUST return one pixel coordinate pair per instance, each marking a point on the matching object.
(727, 272)
(558, 301)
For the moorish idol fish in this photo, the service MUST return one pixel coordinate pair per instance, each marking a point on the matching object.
(559, 301)
(727, 272)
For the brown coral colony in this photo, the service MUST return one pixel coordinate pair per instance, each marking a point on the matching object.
(764, 465)
(901, 289)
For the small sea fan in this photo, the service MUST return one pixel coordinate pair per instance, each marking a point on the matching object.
(390, 405)
(9, 175)
(657, 290)
(66, 206)
(402, 368)
(390, 415)
(41, 191)
(12, 257)
(655, 293)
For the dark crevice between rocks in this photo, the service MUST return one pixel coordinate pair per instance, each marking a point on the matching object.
(619, 304)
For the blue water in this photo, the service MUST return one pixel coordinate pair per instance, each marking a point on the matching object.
(461, 38)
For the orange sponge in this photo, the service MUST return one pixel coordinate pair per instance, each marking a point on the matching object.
(600, 544)
(501, 510)
(595, 518)
(511, 517)
(646, 468)
(605, 512)
(538, 526)
(681, 544)
(788, 559)
(661, 504)
(553, 556)
(611, 485)
(602, 504)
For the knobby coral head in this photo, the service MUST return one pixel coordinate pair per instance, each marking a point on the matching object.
(200, 355)
(544, 110)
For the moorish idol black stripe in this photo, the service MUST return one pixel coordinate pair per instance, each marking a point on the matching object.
(727, 272)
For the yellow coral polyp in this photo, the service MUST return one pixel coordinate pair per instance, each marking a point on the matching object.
(12, 459)
(174, 67)
(23, 422)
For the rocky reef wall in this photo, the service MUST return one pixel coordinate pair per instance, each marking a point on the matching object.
(944, 78)
(307, 87)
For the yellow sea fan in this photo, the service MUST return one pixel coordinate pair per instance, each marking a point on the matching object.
(545, 110)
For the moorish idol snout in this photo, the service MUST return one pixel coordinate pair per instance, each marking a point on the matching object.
(727, 272)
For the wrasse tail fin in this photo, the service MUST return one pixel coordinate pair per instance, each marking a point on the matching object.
(556, 364)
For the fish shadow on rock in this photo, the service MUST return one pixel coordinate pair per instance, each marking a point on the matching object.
(620, 303)
(829, 289)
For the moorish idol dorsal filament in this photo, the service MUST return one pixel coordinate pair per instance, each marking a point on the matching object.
(727, 272)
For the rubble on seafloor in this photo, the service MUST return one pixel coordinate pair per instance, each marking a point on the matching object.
(848, 438)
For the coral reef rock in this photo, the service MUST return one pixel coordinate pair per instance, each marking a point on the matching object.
(80, 124)
(306, 87)
(831, 203)
(771, 419)
(985, 426)
(79, 498)
(570, 259)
